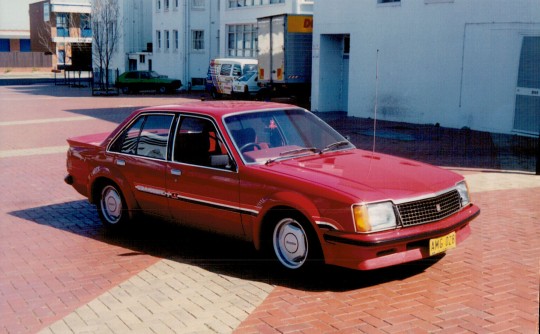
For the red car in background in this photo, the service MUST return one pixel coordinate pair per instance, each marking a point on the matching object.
(274, 175)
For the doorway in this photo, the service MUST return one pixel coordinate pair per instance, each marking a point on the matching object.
(527, 109)
(334, 73)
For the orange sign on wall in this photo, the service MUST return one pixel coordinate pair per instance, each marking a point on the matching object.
(300, 23)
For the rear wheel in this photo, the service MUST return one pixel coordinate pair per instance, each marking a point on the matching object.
(162, 90)
(126, 90)
(112, 208)
(294, 243)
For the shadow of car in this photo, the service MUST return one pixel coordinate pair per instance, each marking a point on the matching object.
(136, 81)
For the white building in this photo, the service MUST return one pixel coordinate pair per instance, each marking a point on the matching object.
(185, 38)
(134, 48)
(459, 63)
(238, 22)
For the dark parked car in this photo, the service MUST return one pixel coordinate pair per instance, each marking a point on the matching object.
(135, 81)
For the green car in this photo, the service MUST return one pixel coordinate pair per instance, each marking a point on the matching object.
(135, 81)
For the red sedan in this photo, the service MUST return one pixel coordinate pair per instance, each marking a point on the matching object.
(274, 175)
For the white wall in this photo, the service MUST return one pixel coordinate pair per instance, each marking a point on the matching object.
(451, 62)
(135, 31)
(185, 63)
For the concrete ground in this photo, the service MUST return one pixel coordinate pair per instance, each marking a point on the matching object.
(60, 272)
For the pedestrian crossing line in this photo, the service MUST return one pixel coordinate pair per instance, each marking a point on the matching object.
(33, 151)
(47, 120)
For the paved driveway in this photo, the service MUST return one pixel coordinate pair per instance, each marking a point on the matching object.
(61, 273)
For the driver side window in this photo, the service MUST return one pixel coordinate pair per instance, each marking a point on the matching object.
(198, 143)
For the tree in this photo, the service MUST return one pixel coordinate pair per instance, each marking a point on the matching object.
(105, 33)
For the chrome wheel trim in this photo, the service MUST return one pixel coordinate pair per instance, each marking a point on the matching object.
(111, 204)
(290, 243)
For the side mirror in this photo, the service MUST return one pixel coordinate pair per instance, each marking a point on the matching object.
(221, 161)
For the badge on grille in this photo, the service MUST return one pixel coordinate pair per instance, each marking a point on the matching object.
(438, 207)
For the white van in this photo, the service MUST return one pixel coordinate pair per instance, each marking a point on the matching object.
(223, 71)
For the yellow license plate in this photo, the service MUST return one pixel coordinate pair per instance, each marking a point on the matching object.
(442, 244)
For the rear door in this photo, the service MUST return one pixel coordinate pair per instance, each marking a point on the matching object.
(141, 152)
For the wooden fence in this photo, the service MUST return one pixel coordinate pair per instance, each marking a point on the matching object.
(25, 60)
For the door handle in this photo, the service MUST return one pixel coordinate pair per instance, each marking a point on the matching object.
(176, 172)
(120, 162)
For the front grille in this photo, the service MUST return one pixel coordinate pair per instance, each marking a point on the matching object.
(429, 209)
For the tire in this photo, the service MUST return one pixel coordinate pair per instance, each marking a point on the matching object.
(293, 243)
(162, 90)
(126, 90)
(215, 95)
(112, 208)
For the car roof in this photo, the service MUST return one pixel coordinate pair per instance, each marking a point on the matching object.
(218, 109)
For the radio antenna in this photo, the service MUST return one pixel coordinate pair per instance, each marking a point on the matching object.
(376, 101)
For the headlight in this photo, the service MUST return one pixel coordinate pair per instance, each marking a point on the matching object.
(374, 217)
(463, 191)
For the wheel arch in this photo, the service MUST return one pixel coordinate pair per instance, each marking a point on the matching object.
(100, 181)
(279, 204)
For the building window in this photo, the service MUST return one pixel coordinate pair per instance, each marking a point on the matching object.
(166, 4)
(24, 45)
(167, 45)
(142, 59)
(158, 39)
(62, 25)
(176, 4)
(197, 4)
(5, 45)
(86, 28)
(175, 37)
(61, 57)
(248, 3)
(242, 40)
(158, 4)
(197, 40)
(387, 1)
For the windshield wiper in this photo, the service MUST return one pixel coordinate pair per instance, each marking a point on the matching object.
(335, 145)
(292, 153)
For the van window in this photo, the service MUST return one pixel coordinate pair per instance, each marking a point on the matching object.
(250, 68)
(225, 69)
(237, 70)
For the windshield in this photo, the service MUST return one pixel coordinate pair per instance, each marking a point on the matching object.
(154, 75)
(250, 68)
(268, 136)
(246, 76)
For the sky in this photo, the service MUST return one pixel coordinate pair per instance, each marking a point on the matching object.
(14, 14)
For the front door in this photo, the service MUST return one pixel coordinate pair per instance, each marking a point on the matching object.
(527, 112)
(201, 181)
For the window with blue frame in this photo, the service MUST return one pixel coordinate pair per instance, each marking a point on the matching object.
(62, 25)
(86, 29)
(4, 45)
(24, 45)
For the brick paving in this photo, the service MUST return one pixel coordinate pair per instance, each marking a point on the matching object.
(61, 273)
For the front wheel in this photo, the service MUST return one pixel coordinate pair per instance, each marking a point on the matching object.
(162, 90)
(112, 208)
(294, 244)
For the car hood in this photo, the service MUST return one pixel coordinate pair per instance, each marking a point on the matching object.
(368, 176)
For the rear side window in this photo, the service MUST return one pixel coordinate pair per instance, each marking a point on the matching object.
(147, 136)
